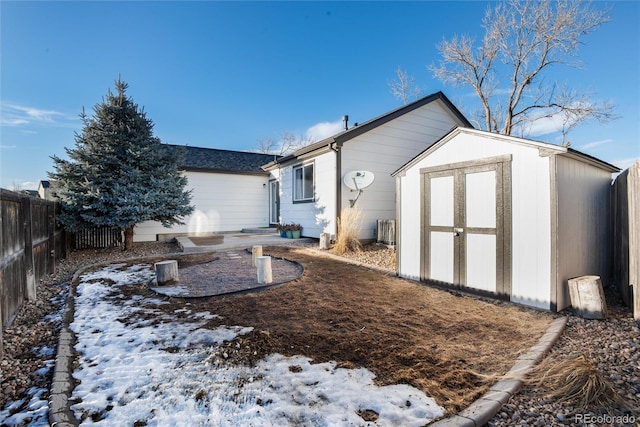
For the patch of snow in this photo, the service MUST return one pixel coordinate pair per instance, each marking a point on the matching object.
(34, 413)
(46, 369)
(171, 291)
(43, 351)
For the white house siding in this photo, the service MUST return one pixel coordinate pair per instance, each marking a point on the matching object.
(531, 211)
(384, 150)
(583, 223)
(318, 216)
(223, 202)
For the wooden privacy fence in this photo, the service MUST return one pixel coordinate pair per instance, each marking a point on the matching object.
(626, 236)
(99, 237)
(32, 244)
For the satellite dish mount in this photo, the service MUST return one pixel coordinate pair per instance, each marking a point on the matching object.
(358, 181)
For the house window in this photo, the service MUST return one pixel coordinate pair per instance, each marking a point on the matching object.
(303, 183)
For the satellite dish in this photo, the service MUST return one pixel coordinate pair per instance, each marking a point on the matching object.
(358, 180)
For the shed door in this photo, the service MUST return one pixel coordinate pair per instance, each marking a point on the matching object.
(464, 227)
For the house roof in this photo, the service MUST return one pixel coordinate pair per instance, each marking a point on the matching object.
(31, 193)
(355, 131)
(215, 160)
(550, 148)
(44, 183)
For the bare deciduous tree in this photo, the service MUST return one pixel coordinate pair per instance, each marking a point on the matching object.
(288, 143)
(522, 40)
(404, 87)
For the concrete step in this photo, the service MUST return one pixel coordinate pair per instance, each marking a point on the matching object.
(260, 230)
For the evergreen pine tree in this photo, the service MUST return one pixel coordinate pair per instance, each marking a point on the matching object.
(119, 174)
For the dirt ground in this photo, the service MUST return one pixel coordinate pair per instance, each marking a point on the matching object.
(448, 345)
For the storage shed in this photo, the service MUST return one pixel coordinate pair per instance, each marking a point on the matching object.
(503, 216)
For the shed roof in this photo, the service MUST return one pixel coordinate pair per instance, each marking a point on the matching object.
(361, 128)
(224, 161)
(550, 148)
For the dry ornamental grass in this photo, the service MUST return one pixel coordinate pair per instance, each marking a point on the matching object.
(576, 381)
(348, 229)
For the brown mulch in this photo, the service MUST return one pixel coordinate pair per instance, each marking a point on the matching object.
(449, 345)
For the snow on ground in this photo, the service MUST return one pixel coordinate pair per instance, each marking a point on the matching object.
(34, 414)
(137, 371)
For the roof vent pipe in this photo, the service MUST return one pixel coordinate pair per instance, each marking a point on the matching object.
(345, 120)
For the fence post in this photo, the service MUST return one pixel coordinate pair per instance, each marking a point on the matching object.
(634, 236)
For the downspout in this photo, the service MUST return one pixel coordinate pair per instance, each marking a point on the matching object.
(398, 224)
(336, 147)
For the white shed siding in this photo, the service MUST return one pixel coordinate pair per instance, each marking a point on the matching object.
(410, 221)
(530, 227)
(531, 212)
(318, 216)
(385, 149)
(223, 202)
(583, 223)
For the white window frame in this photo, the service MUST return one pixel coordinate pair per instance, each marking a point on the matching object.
(306, 168)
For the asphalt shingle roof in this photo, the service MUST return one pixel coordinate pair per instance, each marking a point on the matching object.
(212, 159)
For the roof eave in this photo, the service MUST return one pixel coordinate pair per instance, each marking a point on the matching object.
(224, 171)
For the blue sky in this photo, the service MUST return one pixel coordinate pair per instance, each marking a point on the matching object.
(225, 74)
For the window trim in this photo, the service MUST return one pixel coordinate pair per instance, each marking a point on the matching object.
(302, 166)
